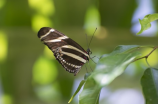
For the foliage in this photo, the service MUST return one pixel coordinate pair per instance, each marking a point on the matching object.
(145, 22)
(112, 65)
(149, 83)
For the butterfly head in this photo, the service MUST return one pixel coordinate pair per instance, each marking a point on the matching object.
(89, 52)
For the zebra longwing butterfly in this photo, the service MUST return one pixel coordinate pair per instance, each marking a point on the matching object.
(69, 53)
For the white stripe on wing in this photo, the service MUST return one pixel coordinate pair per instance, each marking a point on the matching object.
(57, 39)
(74, 56)
(74, 48)
(51, 30)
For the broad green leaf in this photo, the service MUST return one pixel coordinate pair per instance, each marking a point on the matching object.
(108, 68)
(149, 83)
(124, 48)
(90, 93)
(87, 75)
(145, 22)
(80, 86)
(78, 89)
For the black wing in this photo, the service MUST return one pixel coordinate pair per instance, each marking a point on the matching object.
(69, 53)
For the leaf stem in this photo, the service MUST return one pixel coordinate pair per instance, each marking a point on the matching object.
(146, 56)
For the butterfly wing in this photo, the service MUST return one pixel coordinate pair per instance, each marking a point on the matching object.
(69, 53)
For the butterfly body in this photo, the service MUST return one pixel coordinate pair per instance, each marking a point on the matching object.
(68, 53)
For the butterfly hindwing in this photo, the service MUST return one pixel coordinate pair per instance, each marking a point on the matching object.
(69, 53)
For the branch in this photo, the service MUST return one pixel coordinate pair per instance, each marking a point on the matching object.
(146, 56)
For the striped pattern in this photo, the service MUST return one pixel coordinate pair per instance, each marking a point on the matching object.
(57, 40)
(69, 54)
(51, 30)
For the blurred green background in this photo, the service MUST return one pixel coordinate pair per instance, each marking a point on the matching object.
(29, 73)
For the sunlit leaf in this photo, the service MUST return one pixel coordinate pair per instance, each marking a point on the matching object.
(145, 22)
(47, 9)
(108, 68)
(7, 99)
(2, 2)
(3, 46)
(48, 53)
(44, 71)
(43, 13)
(39, 21)
(92, 20)
(149, 83)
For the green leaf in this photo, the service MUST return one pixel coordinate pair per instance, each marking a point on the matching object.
(78, 89)
(90, 93)
(87, 75)
(149, 83)
(145, 22)
(124, 48)
(108, 68)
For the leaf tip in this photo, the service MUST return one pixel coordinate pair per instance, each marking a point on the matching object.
(70, 100)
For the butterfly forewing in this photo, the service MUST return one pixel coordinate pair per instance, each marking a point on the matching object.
(69, 53)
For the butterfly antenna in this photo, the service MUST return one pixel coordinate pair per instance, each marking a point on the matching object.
(92, 37)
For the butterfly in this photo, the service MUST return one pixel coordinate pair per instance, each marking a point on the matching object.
(68, 53)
